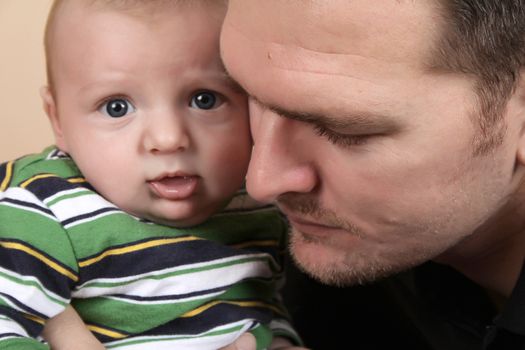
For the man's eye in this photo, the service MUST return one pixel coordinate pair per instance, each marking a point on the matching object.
(117, 108)
(341, 139)
(205, 100)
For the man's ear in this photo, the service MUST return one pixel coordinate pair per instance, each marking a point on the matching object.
(48, 101)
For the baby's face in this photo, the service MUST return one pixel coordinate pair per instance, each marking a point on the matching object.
(148, 114)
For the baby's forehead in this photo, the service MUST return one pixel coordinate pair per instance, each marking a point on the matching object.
(79, 21)
(145, 9)
(64, 12)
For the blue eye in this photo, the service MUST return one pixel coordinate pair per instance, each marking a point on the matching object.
(205, 100)
(117, 107)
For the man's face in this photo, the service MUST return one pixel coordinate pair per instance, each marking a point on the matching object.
(365, 149)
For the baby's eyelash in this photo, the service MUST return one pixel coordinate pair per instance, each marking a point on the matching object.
(340, 139)
(110, 98)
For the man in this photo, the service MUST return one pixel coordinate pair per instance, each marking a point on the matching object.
(391, 133)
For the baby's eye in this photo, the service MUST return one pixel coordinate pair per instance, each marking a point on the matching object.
(205, 100)
(117, 107)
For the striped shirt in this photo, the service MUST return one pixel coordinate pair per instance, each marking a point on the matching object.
(136, 284)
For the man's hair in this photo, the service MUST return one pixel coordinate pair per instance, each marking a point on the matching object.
(485, 39)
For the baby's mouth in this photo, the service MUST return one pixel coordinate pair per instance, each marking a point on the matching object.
(174, 187)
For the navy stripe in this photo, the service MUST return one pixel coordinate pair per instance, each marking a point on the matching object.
(173, 296)
(24, 307)
(20, 203)
(10, 335)
(156, 258)
(215, 316)
(27, 265)
(3, 174)
(92, 214)
(32, 328)
(49, 186)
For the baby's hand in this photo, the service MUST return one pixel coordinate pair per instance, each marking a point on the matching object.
(247, 342)
(244, 342)
(283, 344)
(67, 331)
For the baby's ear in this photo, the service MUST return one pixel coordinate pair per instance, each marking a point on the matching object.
(50, 109)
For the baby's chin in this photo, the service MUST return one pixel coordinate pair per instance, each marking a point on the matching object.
(176, 214)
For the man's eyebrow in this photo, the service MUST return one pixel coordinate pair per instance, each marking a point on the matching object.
(354, 121)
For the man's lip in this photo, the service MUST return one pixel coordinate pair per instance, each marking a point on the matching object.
(306, 222)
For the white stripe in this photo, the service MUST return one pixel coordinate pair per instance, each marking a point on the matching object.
(182, 268)
(56, 154)
(91, 218)
(185, 342)
(65, 193)
(7, 325)
(180, 284)
(30, 295)
(281, 324)
(160, 302)
(72, 207)
(23, 195)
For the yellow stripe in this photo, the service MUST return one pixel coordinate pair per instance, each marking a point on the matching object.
(76, 180)
(8, 174)
(34, 178)
(45, 260)
(134, 248)
(35, 319)
(73, 180)
(205, 307)
(266, 243)
(106, 332)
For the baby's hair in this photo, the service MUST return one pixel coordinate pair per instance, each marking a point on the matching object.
(140, 8)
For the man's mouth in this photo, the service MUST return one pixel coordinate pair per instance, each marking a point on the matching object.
(174, 187)
(317, 229)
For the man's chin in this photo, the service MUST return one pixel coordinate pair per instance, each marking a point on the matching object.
(332, 264)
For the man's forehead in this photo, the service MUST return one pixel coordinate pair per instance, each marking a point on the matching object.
(328, 68)
(340, 26)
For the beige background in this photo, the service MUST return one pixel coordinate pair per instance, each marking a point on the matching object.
(24, 127)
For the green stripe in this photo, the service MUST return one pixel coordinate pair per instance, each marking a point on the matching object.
(23, 344)
(69, 196)
(134, 318)
(150, 340)
(40, 232)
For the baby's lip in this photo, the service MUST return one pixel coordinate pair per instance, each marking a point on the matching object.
(174, 186)
(172, 174)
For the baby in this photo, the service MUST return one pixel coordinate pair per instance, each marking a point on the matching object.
(134, 217)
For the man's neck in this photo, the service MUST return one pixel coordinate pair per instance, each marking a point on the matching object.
(494, 255)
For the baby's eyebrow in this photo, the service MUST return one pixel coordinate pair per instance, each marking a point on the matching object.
(354, 121)
(232, 83)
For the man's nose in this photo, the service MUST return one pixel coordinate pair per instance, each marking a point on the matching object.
(165, 132)
(279, 163)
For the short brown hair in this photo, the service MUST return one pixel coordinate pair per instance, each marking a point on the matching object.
(485, 39)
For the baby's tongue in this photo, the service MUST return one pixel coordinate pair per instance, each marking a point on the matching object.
(175, 188)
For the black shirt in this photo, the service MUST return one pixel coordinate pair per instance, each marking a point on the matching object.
(429, 307)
